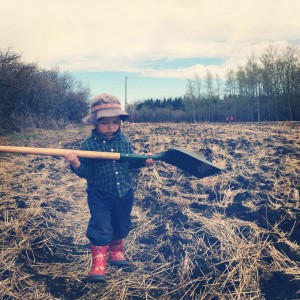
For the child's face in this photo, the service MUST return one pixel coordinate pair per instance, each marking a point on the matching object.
(108, 126)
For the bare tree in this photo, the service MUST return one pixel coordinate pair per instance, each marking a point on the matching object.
(253, 73)
(190, 98)
(290, 63)
(271, 79)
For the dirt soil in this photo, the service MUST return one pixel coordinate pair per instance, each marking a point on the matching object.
(234, 235)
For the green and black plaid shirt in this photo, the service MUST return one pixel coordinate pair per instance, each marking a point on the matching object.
(112, 176)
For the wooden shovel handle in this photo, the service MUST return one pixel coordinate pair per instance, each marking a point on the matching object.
(60, 152)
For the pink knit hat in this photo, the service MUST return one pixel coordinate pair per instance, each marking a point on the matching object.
(104, 105)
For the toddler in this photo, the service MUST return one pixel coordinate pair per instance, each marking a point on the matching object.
(109, 185)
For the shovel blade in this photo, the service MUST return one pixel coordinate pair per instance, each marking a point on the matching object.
(190, 162)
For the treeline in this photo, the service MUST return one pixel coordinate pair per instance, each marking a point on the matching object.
(266, 88)
(31, 96)
(157, 110)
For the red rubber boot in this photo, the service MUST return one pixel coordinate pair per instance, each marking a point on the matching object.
(116, 253)
(98, 270)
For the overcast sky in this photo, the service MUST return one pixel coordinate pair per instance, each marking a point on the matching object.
(157, 44)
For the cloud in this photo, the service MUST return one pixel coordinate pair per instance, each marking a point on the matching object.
(120, 35)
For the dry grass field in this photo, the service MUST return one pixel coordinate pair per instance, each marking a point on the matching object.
(235, 235)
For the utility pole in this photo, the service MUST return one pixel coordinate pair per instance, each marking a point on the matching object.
(125, 93)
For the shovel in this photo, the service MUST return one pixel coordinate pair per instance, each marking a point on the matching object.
(179, 157)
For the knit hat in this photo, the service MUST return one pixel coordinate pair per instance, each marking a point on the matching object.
(104, 105)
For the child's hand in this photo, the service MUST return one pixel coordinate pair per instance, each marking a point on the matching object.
(149, 161)
(73, 159)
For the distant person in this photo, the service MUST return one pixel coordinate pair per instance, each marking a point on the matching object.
(109, 185)
(231, 119)
(227, 119)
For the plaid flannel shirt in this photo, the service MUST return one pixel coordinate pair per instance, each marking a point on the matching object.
(112, 176)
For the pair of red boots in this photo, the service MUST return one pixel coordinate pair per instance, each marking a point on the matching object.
(99, 258)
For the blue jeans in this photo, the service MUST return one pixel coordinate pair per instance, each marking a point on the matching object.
(110, 216)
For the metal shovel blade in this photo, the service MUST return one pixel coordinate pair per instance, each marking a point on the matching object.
(189, 162)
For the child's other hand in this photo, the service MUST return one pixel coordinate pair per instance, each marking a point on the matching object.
(73, 159)
(149, 161)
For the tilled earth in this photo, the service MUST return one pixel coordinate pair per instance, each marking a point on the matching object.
(235, 235)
